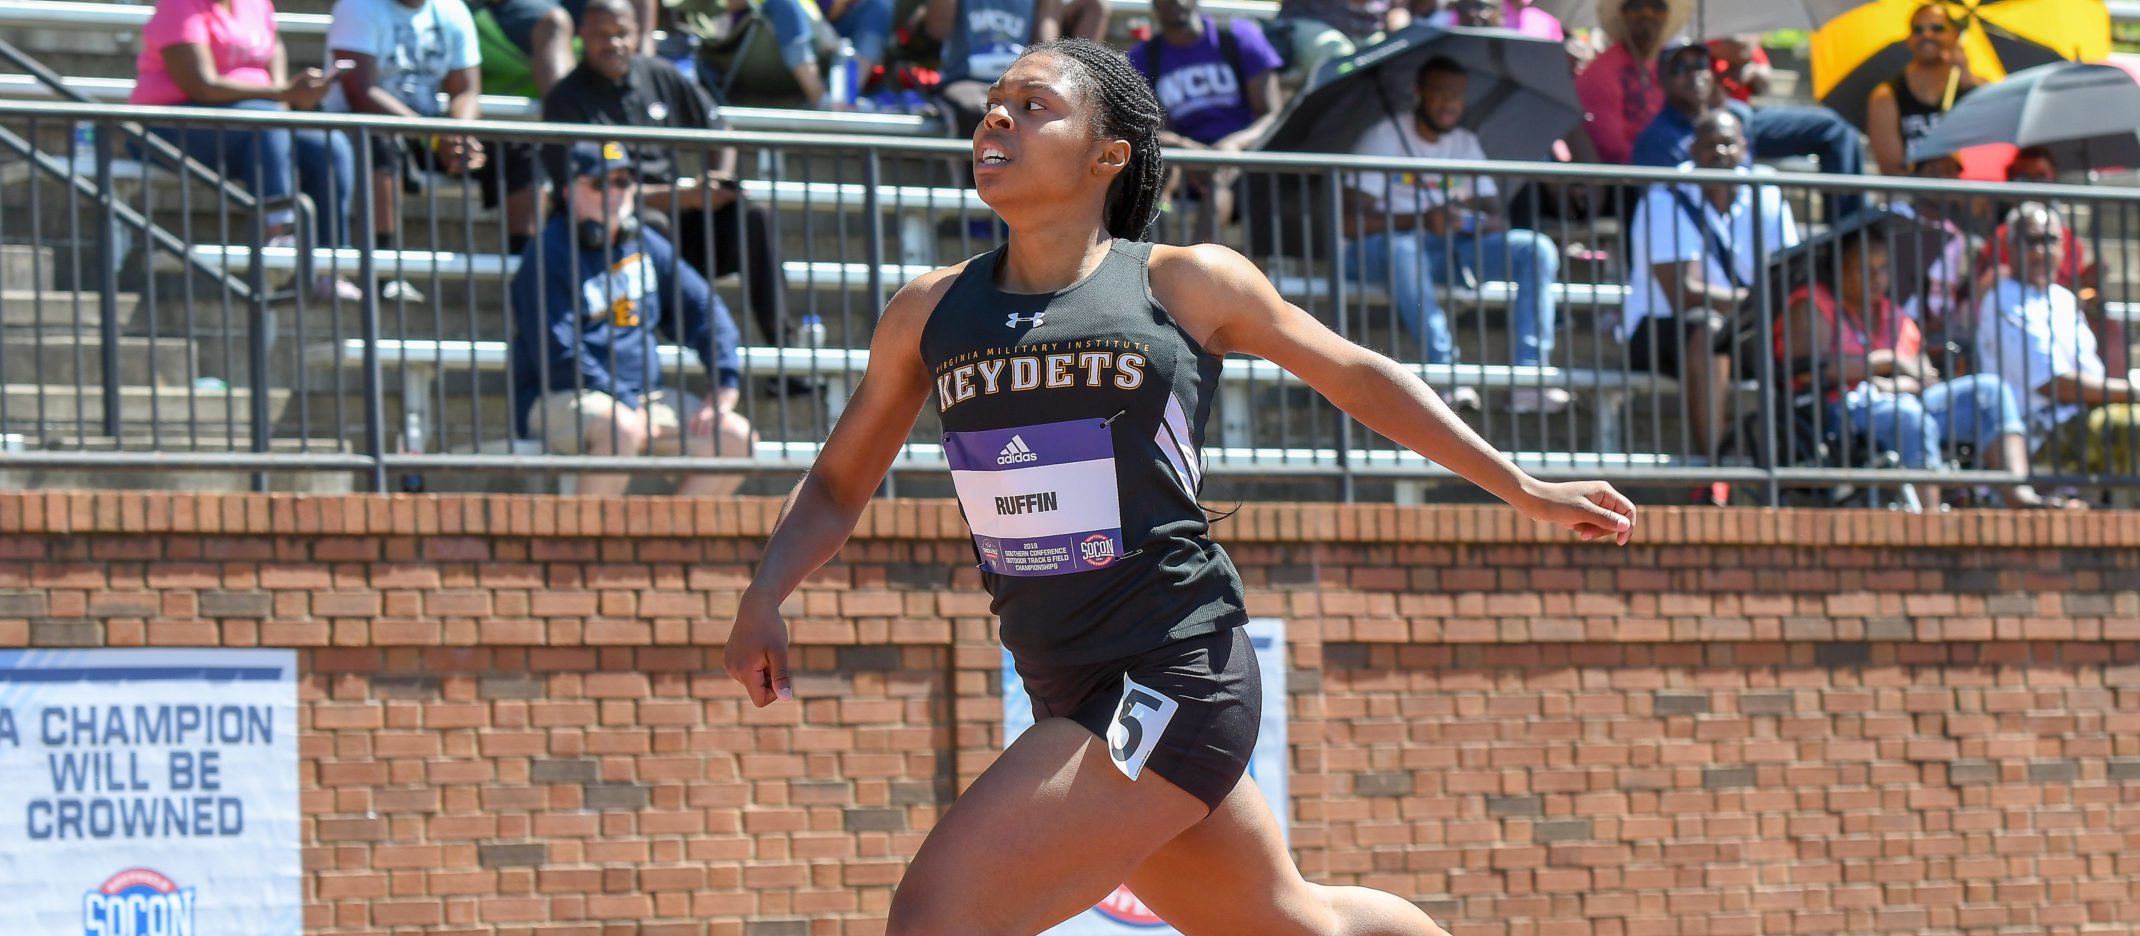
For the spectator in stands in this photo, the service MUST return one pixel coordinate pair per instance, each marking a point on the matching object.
(1517, 15)
(1742, 68)
(1950, 282)
(1693, 257)
(1308, 33)
(526, 47)
(587, 304)
(982, 37)
(402, 55)
(1869, 362)
(1220, 89)
(1619, 88)
(1690, 88)
(796, 30)
(1903, 109)
(2035, 166)
(1410, 226)
(647, 11)
(2030, 331)
(619, 87)
(225, 53)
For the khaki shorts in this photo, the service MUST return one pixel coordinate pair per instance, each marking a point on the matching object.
(573, 415)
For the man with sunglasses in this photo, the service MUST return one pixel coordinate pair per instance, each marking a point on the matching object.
(588, 302)
(1687, 72)
(1903, 109)
(2031, 332)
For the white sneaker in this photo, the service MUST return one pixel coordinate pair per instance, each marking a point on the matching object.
(329, 288)
(399, 290)
(1461, 398)
(1540, 399)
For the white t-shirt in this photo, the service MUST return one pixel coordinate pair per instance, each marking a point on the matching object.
(415, 47)
(1664, 232)
(2028, 336)
(1412, 192)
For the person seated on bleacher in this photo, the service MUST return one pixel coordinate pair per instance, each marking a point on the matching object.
(402, 55)
(983, 37)
(1867, 360)
(1687, 71)
(1220, 89)
(1410, 227)
(587, 305)
(799, 26)
(2030, 331)
(1619, 88)
(621, 88)
(1692, 260)
(225, 53)
(526, 47)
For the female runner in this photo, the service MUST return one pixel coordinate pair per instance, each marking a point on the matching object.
(1074, 369)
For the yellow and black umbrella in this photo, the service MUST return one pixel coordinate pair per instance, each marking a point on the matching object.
(1867, 44)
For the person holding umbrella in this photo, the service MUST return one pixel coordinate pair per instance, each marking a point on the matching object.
(1408, 225)
(1903, 109)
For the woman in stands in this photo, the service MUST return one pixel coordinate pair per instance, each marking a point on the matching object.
(225, 53)
(1074, 369)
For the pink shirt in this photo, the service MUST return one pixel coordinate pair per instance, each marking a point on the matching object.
(1620, 97)
(241, 40)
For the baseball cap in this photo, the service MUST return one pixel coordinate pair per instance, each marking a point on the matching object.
(1672, 50)
(590, 158)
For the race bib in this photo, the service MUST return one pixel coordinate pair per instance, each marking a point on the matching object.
(1041, 499)
(1140, 718)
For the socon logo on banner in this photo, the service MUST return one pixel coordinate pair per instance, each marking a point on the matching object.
(1121, 913)
(138, 902)
(149, 793)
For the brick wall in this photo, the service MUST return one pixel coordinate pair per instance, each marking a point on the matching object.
(1748, 722)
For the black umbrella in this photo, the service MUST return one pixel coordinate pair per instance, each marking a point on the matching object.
(1521, 98)
(2087, 114)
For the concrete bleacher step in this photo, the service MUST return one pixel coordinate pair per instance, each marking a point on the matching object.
(26, 267)
(139, 407)
(24, 308)
(70, 358)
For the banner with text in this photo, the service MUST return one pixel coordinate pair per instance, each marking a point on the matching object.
(1122, 913)
(149, 793)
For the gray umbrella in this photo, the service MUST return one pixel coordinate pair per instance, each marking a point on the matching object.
(1521, 98)
(2086, 114)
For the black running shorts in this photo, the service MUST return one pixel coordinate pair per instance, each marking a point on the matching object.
(1187, 711)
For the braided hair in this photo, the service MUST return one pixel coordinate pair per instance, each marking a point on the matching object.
(1126, 110)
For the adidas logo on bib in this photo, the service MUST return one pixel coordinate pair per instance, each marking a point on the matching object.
(1015, 452)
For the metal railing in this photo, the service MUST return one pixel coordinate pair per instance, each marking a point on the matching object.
(392, 387)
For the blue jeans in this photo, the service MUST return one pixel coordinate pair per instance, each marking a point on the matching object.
(791, 31)
(1811, 131)
(1403, 261)
(267, 161)
(1979, 408)
(867, 24)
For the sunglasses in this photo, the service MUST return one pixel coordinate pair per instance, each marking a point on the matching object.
(615, 183)
(1930, 29)
(1686, 66)
(2042, 240)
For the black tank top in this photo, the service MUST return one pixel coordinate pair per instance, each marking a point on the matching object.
(1917, 117)
(1073, 425)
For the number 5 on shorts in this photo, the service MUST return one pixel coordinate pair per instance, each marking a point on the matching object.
(1140, 718)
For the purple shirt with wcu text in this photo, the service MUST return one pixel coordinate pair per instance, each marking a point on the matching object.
(1203, 97)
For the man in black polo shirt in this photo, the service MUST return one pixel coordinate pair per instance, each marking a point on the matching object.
(615, 85)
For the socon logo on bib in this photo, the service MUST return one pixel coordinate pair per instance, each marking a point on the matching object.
(138, 902)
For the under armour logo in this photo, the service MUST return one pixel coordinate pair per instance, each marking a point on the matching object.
(1014, 319)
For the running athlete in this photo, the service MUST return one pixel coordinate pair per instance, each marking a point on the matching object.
(1074, 369)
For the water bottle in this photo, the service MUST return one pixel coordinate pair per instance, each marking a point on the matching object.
(412, 443)
(841, 81)
(811, 333)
